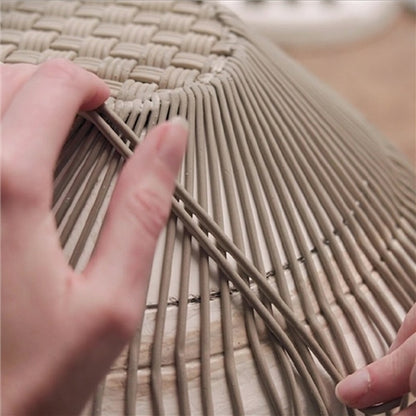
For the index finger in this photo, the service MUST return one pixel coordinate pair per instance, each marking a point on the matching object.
(41, 113)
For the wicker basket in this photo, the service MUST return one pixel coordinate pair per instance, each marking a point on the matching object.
(289, 257)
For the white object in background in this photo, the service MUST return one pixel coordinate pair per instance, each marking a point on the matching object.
(410, 5)
(316, 22)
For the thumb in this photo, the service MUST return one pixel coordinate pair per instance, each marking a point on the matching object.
(387, 378)
(407, 328)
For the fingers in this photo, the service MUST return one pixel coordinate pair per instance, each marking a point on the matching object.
(408, 328)
(409, 411)
(12, 79)
(388, 378)
(139, 208)
(38, 118)
(47, 104)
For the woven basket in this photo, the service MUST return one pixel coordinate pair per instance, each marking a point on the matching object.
(289, 257)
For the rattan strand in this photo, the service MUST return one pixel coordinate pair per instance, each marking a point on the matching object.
(293, 220)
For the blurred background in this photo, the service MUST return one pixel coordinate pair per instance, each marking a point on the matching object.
(364, 49)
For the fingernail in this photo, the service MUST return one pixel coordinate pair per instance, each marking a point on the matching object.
(172, 145)
(180, 121)
(354, 387)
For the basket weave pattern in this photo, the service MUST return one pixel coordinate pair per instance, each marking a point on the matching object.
(156, 43)
(289, 258)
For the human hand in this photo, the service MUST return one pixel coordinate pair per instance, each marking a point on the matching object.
(60, 330)
(389, 377)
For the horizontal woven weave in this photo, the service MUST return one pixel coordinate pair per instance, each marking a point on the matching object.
(289, 258)
(159, 43)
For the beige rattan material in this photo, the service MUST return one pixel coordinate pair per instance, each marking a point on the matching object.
(289, 258)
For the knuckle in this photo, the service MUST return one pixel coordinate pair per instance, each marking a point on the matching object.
(60, 70)
(149, 209)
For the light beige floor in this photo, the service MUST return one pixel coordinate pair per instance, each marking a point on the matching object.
(377, 76)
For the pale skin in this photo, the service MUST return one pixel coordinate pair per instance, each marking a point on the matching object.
(60, 329)
(388, 378)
